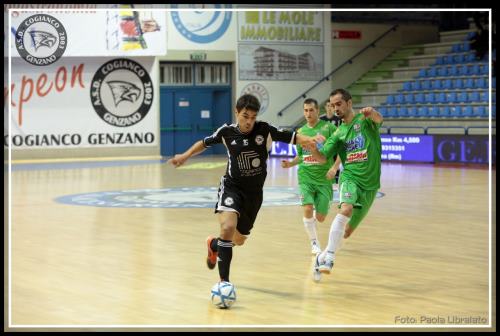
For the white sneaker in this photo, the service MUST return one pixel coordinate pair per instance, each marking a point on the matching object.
(326, 267)
(316, 272)
(315, 249)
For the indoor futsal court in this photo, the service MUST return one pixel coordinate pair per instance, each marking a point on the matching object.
(422, 248)
(102, 101)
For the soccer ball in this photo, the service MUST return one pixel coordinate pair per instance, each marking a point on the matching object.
(223, 294)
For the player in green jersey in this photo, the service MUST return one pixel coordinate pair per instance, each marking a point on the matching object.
(315, 179)
(357, 142)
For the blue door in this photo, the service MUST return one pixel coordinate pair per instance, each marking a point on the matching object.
(189, 114)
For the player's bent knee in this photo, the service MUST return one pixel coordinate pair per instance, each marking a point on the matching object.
(320, 218)
(348, 232)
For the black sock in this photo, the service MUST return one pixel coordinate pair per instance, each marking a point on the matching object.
(213, 244)
(225, 249)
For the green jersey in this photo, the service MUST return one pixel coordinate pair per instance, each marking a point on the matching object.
(310, 170)
(359, 146)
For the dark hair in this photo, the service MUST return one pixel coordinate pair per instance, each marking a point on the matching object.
(311, 101)
(249, 102)
(346, 96)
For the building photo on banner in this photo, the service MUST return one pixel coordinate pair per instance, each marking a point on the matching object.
(226, 167)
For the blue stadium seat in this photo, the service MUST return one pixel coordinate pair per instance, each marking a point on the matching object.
(463, 97)
(447, 84)
(469, 58)
(406, 86)
(419, 98)
(382, 110)
(399, 99)
(452, 70)
(484, 97)
(458, 83)
(432, 72)
(481, 83)
(440, 60)
(403, 112)
(426, 84)
(445, 112)
(436, 84)
(408, 99)
(413, 112)
(441, 98)
(423, 112)
(465, 46)
(441, 71)
(469, 83)
(484, 69)
(448, 59)
(480, 112)
(467, 111)
(470, 36)
(390, 99)
(474, 97)
(463, 70)
(429, 98)
(474, 70)
(415, 85)
(434, 112)
(455, 111)
(452, 97)
(459, 58)
(455, 48)
(393, 111)
(422, 73)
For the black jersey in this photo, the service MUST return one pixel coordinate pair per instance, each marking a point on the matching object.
(334, 119)
(248, 153)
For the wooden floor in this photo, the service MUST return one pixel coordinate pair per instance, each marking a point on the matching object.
(422, 251)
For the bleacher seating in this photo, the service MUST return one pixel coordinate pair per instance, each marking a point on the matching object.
(455, 86)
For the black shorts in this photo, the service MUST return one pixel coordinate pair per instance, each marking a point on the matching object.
(245, 203)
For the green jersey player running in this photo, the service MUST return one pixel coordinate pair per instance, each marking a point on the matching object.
(315, 179)
(357, 142)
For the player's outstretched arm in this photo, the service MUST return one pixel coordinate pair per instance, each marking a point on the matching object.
(290, 164)
(373, 114)
(306, 141)
(179, 159)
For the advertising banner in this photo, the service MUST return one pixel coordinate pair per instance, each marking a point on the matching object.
(82, 102)
(92, 30)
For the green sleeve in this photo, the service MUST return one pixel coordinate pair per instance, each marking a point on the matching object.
(373, 124)
(333, 128)
(330, 147)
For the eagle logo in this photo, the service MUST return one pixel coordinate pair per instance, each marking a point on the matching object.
(124, 91)
(42, 39)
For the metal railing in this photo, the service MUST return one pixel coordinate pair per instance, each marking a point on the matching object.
(349, 61)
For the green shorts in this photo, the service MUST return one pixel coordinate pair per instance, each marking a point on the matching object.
(318, 195)
(360, 199)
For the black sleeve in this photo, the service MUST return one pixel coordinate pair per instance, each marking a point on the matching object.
(215, 138)
(281, 135)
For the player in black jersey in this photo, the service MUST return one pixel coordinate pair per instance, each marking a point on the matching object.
(248, 143)
(330, 115)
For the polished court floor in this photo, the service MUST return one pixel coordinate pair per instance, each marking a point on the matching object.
(421, 254)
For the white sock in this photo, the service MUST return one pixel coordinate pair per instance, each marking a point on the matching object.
(337, 230)
(310, 225)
